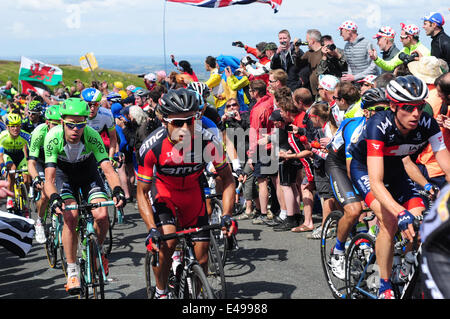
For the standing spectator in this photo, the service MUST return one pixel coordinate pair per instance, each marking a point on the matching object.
(311, 58)
(443, 87)
(259, 70)
(428, 69)
(410, 40)
(356, 52)
(285, 58)
(327, 85)
(185, 68)
(118, 88)
(333, 59)
(161, 79)
(348, 99)
(215, 82)
(303, 99)
(440, 43)
(259, 156)
(150, 81)
(385, 40)
(323, 120)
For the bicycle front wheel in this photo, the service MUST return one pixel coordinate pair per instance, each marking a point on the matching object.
(328, 240)
(362, 277)
(149, 277)
(96, 269)
(216, 274)
(197, 285)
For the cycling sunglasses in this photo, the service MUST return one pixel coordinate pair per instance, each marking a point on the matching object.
(93, 104)
(78, 125)
(410, 107)
(378, 108)
(179, 122)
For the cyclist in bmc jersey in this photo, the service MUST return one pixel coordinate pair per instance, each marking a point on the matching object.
(71, 148)
(176, 152)
(337, 166)
(36, 163)
(377, 155)
(14, 144)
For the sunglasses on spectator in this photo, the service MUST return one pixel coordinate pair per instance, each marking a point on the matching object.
(179, 122)
(378, 108)
(72, 125)
(337, 97)
(233, 104)
(410, 107)
(367, 84)
(272, 81)
(403, 37)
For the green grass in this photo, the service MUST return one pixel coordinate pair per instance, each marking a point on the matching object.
(9, 71)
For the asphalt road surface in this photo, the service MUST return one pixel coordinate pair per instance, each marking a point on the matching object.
(267, 265)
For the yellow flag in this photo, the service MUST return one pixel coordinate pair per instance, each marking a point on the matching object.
(88, 62)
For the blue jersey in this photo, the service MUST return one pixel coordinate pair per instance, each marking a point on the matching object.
(348, 132)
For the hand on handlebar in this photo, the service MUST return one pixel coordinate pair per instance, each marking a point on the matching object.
(56, 203)
(405, 224)
(229, 225)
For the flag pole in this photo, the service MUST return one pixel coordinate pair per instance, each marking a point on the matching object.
(164, 35)
(90, 68)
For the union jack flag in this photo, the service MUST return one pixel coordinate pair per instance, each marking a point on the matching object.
(275, 4)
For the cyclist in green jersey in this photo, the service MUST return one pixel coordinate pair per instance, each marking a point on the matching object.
(36, 161)
(13, 151)
(73, 152)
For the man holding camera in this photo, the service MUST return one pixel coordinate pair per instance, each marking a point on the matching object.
(412, 49)
(312, 57)
(333, 60)
(285, 58)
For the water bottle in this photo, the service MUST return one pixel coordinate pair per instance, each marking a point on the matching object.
(54, 221)
(31, 193)
(407, 266)
(373, 231)
(365, 249)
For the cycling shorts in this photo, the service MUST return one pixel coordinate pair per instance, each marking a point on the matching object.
(182, 208)
(20, 161)
(91, 187)
(400, 186)
(343, 189)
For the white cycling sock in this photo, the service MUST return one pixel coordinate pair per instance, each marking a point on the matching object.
(72, 270)
(283, 214)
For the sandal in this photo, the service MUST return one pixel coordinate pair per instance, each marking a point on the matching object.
(302, 229)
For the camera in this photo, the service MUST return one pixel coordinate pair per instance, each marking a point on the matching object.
(230, 114)
(283, 42)
(289, 128)
(237, 44)
(407, 58)
(247, 60)
(299, 42)
(331, 47)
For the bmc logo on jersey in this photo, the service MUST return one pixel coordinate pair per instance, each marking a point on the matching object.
(182, 170)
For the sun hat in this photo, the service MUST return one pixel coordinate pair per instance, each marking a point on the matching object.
(369, 79)
(428, 68)
(410, 29)
(348, 25)
(328, 82)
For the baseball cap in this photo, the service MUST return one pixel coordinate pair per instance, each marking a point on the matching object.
(270, 46)
(118, 85)
(369, 79)
(151, 77)
(276, 116)
(435, 17)
(131, 87)
(328, 82)
(348, 25)
(386, 31)
(162, 73)
(410, 29)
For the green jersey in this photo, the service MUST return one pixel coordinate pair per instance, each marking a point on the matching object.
(37, 143)
(74, 158)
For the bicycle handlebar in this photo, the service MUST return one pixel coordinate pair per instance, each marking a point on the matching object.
(18, 171)
(183, 233)
(90, 205)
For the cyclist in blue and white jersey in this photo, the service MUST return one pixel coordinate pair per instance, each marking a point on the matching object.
(377, 160)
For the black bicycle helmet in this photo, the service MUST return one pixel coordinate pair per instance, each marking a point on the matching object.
(406, 89)
(178, 101)
(373, 97)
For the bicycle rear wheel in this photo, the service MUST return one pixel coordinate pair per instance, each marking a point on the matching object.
(199, 288)
(107, 244)
(216, 273)
(362, 277)
(328, 240)
(222, 244)
(149, 277)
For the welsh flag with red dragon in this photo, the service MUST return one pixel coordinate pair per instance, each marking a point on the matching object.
(36, 75)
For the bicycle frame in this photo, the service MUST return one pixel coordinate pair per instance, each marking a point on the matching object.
(86, 231)
(18, 182)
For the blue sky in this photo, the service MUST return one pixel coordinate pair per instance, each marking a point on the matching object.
(135, 27)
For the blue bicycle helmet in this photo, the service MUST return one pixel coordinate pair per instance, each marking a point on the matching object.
(91, 95)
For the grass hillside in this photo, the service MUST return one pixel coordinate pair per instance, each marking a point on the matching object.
(9, 71)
